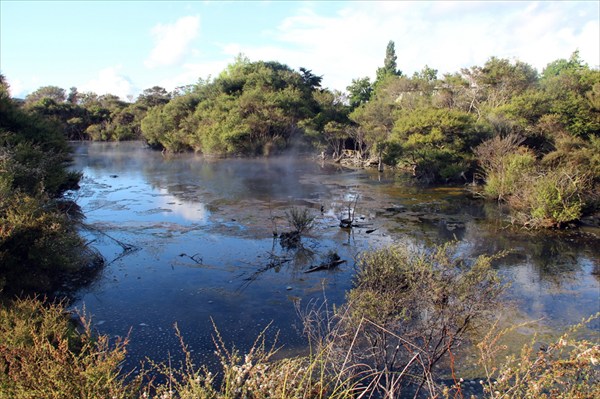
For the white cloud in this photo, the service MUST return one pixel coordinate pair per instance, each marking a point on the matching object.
(110, 81)
(172, 41)
(444, 35)
(192, 72)
(17, 88)
(20, 88)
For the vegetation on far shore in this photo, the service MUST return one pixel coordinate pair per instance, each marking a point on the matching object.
(531, 138)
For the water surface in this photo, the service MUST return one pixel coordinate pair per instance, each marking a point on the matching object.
(191, 240)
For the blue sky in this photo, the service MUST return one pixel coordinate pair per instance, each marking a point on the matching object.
(125, 47)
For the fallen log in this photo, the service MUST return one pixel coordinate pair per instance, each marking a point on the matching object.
(325, 266)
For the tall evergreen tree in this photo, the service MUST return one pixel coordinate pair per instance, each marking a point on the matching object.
(389, 63)
(390, 67)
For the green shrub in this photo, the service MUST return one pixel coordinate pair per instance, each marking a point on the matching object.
(40, 249)
(551, 199)
(510, 176)
(39, 244)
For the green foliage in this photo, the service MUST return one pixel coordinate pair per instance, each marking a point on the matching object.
(409, 304)
(555, 199)
(172, 124)
(575, 152)
(551, 176)
(508, 179)
(436, 143)
(154, 96)
(562, 65)
(40, 250)
(425, 125)
(395, 285)
(360, 91)
(54, 93)
(551, 199)
(426, 74)
(390, 67)
(574, 99)
(45, 352)
(39, 246)
(252, 108)
(550, 193)
(376, 119)
(328, 128)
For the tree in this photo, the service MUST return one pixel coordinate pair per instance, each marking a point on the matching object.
(73, 96)
(390, 67)
(389, 63)
(436, 143)
(426, 74)
(497, 82)
(154, 96)
(330, 123)
(376, 118)
(39, 244)
(414, 304)
(52, 92)
(559, 66)
(311, 80)
(252, 108)
(360, 91)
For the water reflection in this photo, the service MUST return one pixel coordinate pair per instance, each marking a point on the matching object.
(204, 229)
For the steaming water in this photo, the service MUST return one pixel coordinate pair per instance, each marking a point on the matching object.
(190, 240)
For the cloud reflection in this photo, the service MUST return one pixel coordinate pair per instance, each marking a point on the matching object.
(191, 211)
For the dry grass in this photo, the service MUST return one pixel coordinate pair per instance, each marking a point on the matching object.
(42, 355)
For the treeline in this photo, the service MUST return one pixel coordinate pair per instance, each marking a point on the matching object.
(531, 137)
(88, 116)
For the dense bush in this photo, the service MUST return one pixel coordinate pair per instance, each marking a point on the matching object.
(550, 192)
(40, 250)
(251, 108)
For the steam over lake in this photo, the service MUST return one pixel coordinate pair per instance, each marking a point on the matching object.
(190, 240)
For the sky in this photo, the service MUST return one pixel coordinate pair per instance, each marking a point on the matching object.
(124, 47)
